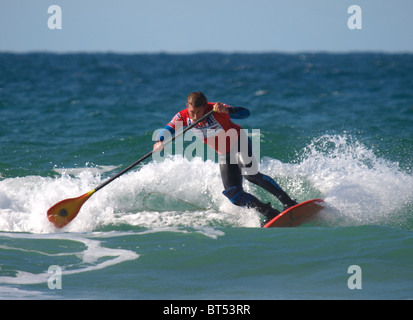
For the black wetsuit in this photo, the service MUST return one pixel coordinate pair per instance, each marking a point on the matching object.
(240, 162)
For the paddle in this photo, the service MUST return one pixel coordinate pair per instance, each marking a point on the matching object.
(65, 211)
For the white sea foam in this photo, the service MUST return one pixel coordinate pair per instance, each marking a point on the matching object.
(356, 184)
(90, 258)
(363, 187)
(192, 191)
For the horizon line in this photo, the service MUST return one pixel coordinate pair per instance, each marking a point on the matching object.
(195, 52)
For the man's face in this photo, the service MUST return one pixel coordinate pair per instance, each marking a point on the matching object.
(195, 113)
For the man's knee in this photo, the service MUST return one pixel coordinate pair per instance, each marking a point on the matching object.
(254, 178)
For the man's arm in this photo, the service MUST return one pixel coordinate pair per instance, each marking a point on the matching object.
(234, 112)
(168, 131)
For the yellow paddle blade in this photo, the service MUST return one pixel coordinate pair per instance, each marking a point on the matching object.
(65, 211)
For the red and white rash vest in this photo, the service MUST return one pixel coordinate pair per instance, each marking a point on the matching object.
(217, 130)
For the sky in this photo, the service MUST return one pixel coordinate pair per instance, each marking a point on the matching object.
(186, 26)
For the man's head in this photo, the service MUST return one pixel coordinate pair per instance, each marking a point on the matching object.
(196, 103)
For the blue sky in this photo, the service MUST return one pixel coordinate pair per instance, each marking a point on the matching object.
(210, 25)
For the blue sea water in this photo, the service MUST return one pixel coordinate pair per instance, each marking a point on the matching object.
(335, 126)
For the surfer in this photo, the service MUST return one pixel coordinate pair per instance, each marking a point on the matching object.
(235, 156)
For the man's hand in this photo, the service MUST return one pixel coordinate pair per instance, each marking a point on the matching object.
(158, 146)
(220, 108)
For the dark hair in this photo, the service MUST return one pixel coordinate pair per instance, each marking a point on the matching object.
(197, 99)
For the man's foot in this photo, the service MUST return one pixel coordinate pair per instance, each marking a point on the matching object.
(268, 212)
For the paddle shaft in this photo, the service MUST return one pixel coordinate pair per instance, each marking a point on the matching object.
(150, 153)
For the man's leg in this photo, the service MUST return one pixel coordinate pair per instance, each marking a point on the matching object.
(232, 180)
(239, 197)
(249, 169)
(271, 186)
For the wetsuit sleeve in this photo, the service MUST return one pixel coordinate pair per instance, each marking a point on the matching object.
(164, 132)
(234, 112)
(169, 127)
(238, 112)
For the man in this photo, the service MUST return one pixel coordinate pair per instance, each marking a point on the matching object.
(235, 156)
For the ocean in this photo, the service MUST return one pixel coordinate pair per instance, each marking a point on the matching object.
(331, 126)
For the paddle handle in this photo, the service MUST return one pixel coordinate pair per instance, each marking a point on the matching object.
(150, 153)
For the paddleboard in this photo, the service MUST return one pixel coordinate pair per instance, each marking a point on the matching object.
(297, 215)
